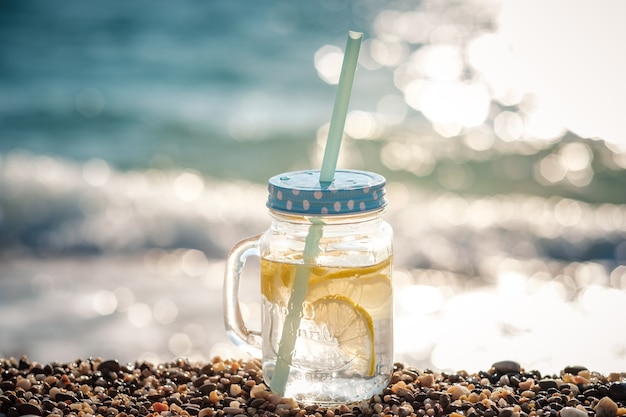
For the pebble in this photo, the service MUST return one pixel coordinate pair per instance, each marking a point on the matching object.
(606, 408)
(617, 391)
(235, 388)
(572, 412)
(547, 383)
(110, 365)
(456, 391)
(426, 380)
(574, 369)
(506, 367)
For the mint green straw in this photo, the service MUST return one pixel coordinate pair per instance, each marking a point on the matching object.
(338, 120)
(300, 287)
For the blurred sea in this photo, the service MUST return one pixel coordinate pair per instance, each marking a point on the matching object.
(136, 139)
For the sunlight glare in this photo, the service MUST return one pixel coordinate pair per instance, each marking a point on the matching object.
(328, 60)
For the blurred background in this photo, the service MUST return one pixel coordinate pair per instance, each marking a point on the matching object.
(136, 139)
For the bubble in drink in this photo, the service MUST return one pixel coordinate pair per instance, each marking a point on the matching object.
(342, 348)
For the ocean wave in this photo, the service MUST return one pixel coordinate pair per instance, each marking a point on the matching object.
(50, 205)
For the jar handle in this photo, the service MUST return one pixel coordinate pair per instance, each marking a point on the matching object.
(246, 339)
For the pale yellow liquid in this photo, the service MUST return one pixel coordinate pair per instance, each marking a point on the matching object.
(344, 347)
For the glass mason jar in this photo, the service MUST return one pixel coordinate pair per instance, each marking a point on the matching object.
(326, 262)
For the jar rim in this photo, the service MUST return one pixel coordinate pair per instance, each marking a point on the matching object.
(351, 191)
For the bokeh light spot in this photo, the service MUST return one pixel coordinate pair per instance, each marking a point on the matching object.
(139, 314)
(179, 344)
(104, 302)
(165, 311)
(96, 172)
(328, 60)
(188, 186)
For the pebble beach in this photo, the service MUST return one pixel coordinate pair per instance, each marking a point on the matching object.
(226, 387)
(136, 146)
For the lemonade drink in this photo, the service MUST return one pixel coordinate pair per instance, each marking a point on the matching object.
(342, 351)
(326, 261)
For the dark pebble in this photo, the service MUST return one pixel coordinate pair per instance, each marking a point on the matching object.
(490, 413)
(506, 367)
(62, 396)
(181, 378)
(28, 408)
(505, 412)
(574, 369)
(191, 409)
(617, 391)
(435, 395)
(402, 412)
(514, 381)
(109, 366)
(556, 406)
(444, 400)
(546, 384)
(257, 402)
(24, 364)
(420, 397)
(48, 405)
(199, 381)
(155, 397)
(174, 400)
(511, 399)
(7, 385)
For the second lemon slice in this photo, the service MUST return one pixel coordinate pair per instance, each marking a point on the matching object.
(351, 326)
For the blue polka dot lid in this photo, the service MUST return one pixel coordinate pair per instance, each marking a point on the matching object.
(351, 191)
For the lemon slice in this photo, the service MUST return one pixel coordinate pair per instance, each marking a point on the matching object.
(338, 273)
(351, 326)
(367, 286)
(276, 281)
(369, 291)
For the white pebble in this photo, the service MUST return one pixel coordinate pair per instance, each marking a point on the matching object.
(235, 389)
